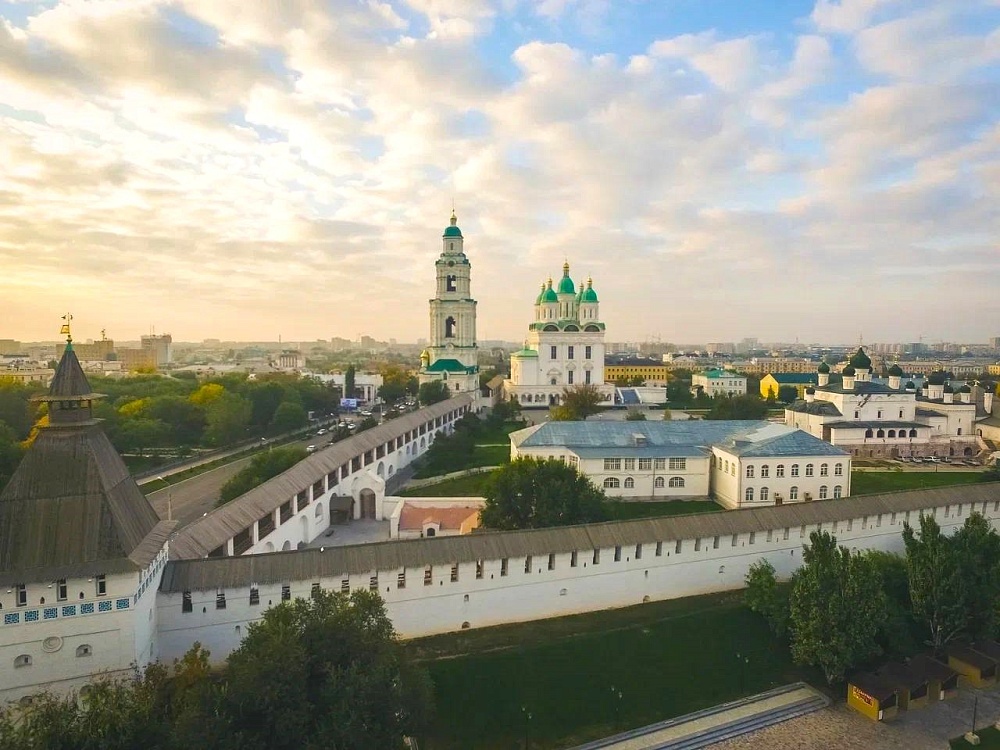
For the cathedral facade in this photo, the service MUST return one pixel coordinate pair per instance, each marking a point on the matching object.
(564, 348)
(453, 354)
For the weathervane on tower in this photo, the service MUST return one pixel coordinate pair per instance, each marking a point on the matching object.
(68, 317)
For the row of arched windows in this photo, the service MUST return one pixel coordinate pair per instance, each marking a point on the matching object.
(779, 470)
(891, 433)
(629, 483)
(24, 660)
(793, 493)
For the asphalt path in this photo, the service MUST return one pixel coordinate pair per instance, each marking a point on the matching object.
(190, 499)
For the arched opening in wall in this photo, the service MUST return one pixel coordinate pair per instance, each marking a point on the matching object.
(301, 545)
(449, 327)
(430, 532)
(391, 470)
(592, 329)
(304, 525)
(269, 547)
(572, 328)
(367, 498)
(286, 546)
(380, 469)
(466, 625)
(423, 443)
(967, 452)
(645, 599)
(913, 433)
(551, 327)
(319, 511)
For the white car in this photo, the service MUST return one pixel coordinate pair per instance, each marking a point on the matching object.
(321, 432)
(310, 449)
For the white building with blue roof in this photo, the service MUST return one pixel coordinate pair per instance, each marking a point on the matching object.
(739, 463)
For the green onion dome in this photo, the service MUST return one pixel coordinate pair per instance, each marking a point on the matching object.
(823, 368)
(810, 391)
(566, 285)
(541, 295)
(849, 371)
(948, 388)
(896, 371)
(965, 389)
(550, 294)
(452, 230)
(860, 360)
(910, 385)
(590, 295)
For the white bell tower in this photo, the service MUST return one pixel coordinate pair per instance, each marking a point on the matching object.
(453, 354)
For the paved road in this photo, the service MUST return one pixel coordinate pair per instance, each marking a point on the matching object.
(192, 498)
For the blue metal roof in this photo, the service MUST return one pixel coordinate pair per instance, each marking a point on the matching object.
(678, 438)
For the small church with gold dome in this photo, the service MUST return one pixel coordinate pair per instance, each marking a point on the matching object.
(453, 354)
(564, 348)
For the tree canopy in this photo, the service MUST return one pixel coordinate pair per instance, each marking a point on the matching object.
(737, 407)
(529, 493)
(262, 467)
(321, 674)
(581, 401)
(432, 392)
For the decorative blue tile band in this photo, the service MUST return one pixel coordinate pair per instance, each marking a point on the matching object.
(69, 611)
(31, 616)
(121, 604)
(49, 613)
(11, 618)
(87, 609)
(104, 606)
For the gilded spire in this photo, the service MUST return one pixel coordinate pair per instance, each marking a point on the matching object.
(566, 268)
(454, 219)
(65, 329)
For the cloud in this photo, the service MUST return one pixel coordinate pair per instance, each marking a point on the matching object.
(229, 168)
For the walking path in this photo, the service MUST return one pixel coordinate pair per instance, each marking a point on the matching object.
(709, 726)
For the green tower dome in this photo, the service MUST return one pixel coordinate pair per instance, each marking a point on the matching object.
(550, 294)
(566, 285)
(452, 230)
(896, 371)
(541, 295)
(589, 295)
(849, 371)
(860, 360)
(823, 368)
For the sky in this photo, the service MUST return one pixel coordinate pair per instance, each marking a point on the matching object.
(816, 170)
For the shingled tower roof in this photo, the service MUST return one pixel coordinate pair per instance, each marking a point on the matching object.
(72, 508)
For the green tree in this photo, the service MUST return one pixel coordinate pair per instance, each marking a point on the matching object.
(262, 467)
(529, 494)
(350, 388)
(937, 585)
(837, 606)
(737, 407)
(582, 401)
(395, 381)
(635, 415)
(264, 400)
(561, 413)
(139, 434)
(787, 394)
(977, 546)
(765, 596)
(433, 391)
(228, 416)
(185, 421)
(15, 406)
(367, 423)
(324, 673)
(287, 417)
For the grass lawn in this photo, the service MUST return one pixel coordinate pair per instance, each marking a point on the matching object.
(989, 739)
(468, 486)
(499, 437)
(872, 482)
(482, 455)
(666, 659)
(623, 511)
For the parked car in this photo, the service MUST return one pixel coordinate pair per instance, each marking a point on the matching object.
(321, 432)
(310, 449)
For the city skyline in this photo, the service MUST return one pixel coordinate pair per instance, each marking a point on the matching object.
(817, 170)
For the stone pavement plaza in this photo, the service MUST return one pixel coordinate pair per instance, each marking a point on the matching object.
(838, 727)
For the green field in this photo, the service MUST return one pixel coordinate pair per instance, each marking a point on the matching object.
(872, 482)
(468, 486)
(665, 658)
(989, 739)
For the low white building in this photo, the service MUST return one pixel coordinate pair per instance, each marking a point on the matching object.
(717, 382)
(739, 463)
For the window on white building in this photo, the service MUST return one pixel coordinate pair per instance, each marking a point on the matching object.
(61, 590)
(765, 471)
(101, 585)
(749, 472)
(824, 470)
(660, 463)
(612, 464)
(553, 352)
(572, 559)
(611, 482)
(676, 481)
(678, 547)
(570, 351)
(629, 483)
(795, 470)
(659, 549)
(658, 482)
(837, 491)
(809, 470)
(793, 493)
(220, 600)
(629, 464)
(779, 470)
(569, 377)
(645, 464)
(838, 470)
(678, 464)
(527, 564)
(822, 492)
(503, 567)
(254, 596)
(763, 494)
(586, 352)
(748, 495)
(597, 557)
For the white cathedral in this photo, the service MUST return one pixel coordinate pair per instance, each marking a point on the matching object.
(564, 348)
(453, 355)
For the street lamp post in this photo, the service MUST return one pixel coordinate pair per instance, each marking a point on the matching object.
(743, 660)
(527, 727)
(616, 698)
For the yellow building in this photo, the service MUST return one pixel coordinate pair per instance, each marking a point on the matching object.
(973, 667)
(872, 696)
(651, 374)
(994, 369)
(764, 365)
(771, 383)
